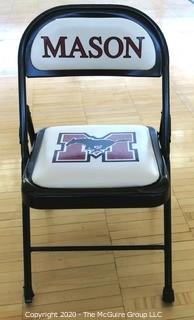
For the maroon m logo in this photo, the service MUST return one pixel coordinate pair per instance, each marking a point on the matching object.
(80, 147)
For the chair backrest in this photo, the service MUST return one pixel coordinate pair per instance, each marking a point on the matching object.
(92, 40)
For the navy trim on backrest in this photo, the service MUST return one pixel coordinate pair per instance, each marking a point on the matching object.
(115, 49)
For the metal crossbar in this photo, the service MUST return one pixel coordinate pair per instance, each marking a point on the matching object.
(99, 248)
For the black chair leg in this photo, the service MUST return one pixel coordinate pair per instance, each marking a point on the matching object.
(168, 292)
(28, 292)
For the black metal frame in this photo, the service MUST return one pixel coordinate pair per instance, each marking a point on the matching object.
(161, 68)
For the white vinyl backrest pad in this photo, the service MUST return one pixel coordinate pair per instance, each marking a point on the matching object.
(96, 156)
(93, 43)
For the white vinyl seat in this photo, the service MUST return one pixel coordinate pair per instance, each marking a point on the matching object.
(95, 156)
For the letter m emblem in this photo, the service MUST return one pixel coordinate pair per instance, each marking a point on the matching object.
(81, 147)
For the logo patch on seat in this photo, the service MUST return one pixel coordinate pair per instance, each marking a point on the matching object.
(80, 147)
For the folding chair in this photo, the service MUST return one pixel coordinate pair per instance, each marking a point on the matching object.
(130, 163)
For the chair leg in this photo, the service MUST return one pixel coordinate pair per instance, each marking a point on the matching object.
(28, 292)
(168, 292)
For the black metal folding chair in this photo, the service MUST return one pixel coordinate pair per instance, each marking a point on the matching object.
(130, 163)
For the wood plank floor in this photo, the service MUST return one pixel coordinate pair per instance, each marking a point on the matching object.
(107, 281)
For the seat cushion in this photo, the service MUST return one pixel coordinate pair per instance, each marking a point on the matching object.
(95, 156)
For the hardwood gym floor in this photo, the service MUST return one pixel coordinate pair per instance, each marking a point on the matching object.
(116, 282)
